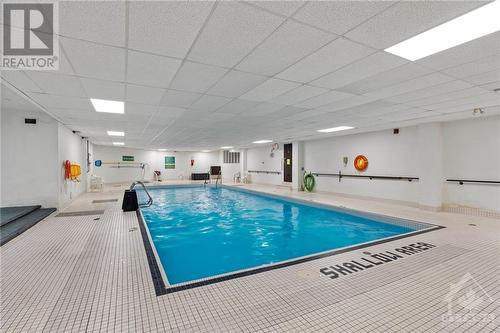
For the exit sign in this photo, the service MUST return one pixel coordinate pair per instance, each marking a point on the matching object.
(127, 158)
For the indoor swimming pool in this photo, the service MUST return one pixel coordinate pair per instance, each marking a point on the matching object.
(203, 232)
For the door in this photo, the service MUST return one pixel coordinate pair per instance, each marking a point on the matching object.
(287, 157)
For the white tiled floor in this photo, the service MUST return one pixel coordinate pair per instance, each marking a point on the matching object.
(90, 273)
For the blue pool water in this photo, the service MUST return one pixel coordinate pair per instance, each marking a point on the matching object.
(201, 232)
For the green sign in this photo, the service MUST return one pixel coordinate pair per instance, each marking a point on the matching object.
(126, 158)
(169, 162)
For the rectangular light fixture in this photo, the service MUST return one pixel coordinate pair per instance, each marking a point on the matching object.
(335, 129)
(226, 147)
(116, 133)
(474, 24)
(162, 149)
(118, 143)
(104, 105)
(263, 141)
(205, 151)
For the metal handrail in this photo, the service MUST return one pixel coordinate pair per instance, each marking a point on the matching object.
(150, 199)
(462, 181)
(217, 180)
(341, 175)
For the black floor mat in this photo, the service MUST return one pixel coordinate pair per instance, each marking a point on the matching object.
(9, 214)
(14, 228)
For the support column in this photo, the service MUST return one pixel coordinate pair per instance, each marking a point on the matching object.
(430, 159)
(297, 165)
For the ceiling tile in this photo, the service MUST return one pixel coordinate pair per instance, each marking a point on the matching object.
(209, 103)
(440, 98)
(237, 106)
(236, 83)
(347, 103)
(477, 67)
(96, 21)
(484, 78)
(288, 44)
(94, 60)
(376, 82)
(371, 65)
(145, 95)
(439, 89)
(167, 28)
(407, 19)
(170, 112)
(138, 109)
(263, 109)
(306, 114)
(20, 80)
(232, 31)
(285, 8)
(197, 77)
(269, 89)
(340, 16)
(324, 99)
(298, 95)
(333, 56)
(58, 84)
(178, 98)
(151, 70)
(104, 89)
(57, 101)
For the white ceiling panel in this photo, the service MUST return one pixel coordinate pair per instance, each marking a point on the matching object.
(232, 31)
(480, 66)
(491, 86)
(145, 95)
(57, 101)
(20, 80)
(371, 65)
(285, 8)
(484, 78)
(170, 112)
(58, 84)
(208, 103)
(94, 60)
(333, 56)
(306, 114)
(461, 54)
(454, 95)
(263, 109)
(237, 106)
(411, 85)
(167, 28)
(476, 101)
(398, 116)
(197, 77)
(96, 21)
(436, 90)
(136, 109)
(376, 82)
(347, 103)
(324, 99)
(288, 44)
(179, 98)
(407, 19)
(298, 94)
(236, 83)
(104, 89)
(340, 16)
(269, 89)
(151, 70)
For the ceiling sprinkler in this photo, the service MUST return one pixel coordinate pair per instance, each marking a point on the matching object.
(477, 112)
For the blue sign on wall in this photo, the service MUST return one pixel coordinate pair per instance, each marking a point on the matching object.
(98, 163)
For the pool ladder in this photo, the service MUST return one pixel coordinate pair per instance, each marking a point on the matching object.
(150, 199)
(217, 180)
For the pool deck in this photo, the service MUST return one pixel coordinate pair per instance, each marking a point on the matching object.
(90, 273)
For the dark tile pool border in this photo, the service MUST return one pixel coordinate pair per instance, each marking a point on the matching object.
(162, 289)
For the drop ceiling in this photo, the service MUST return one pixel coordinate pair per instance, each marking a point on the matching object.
(200, 75)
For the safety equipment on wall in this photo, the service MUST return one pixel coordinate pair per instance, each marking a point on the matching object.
(192, 161)
(360, 163)
(309, 182)
(72, 171)
(274, 147)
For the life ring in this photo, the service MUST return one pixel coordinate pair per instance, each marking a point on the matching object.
(309, 182)
(361, 163)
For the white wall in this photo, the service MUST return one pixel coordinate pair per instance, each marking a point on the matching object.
(388, 155)
(155, 161)
(259, 159)
(29, 159)
(472, 151)
(73, 148)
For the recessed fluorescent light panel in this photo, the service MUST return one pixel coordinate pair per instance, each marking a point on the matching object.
(205, 151)
(116, 133)
(335, 129)
(104, 105)
(263, 141)
(226, 147)
(162, 149)
(475, 24)
(118, 143)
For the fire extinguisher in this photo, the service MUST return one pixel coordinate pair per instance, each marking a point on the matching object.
(192, 161)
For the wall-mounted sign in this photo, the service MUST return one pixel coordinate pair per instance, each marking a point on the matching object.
(169, 162)
(127, 158)
(98, 163)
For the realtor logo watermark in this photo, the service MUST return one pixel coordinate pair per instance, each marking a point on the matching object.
(30, 36)
(467, 302)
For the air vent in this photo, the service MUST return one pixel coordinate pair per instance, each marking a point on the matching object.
(30, 121)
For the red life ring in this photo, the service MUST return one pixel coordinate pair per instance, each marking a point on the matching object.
(360, 163)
